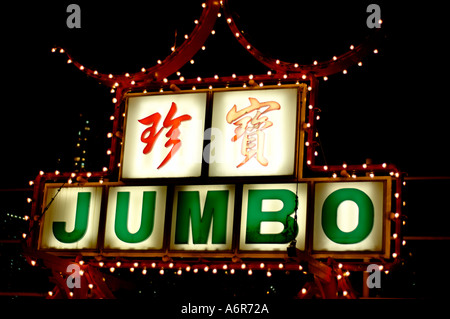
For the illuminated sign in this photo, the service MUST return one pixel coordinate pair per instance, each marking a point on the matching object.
(268, 216)
(135, 217)
(348, 216)
(165, 134)
(202, 217)
(256, 132)
(262, 220)
(72, 220)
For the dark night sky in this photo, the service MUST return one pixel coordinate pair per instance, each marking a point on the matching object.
(393, 109)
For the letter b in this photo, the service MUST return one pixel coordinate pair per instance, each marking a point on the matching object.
(256, 215)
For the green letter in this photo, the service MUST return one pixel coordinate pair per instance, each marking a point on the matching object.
(147, 217)
(81, 221)
(255, 216)
(188, 209)
(365, 216)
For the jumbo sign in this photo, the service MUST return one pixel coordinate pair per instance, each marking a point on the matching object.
(324, 217)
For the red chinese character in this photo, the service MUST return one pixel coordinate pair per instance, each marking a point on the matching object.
(149, 135)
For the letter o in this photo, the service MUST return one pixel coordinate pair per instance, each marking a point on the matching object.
(365, 216)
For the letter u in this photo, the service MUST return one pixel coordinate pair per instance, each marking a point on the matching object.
(147, 217)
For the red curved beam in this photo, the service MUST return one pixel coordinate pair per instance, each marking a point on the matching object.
(169, 65)
(318, 69)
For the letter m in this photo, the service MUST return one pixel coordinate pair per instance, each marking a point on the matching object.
(189, 213)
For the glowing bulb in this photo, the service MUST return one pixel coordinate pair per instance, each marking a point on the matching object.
(304, 291)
